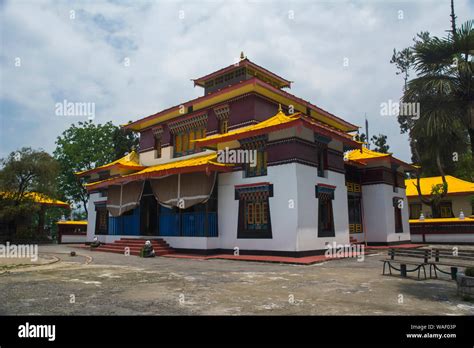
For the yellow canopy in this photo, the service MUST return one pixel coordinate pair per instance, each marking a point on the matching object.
(130, 161)
(198, 163)
(455, 185)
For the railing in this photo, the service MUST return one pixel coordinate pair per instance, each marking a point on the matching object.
(189, 225)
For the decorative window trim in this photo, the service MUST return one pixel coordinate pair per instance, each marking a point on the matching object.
(222, 112)
(180, 126)
(184, 140)
(254, 208)
(324, 191)
(157, 131)
(255, 143)
(325, 196)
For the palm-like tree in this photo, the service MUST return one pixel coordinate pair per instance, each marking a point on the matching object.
(444, 87)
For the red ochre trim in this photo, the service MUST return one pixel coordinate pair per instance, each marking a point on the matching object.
(295, 123)
(239, 85)
(108, 168)
(253, 184)
(326, 185)
(241, 64)
(191, 102)
(307, 103)
(132, 177)
(389, 158)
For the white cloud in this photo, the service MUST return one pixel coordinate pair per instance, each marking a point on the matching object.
(82, 59)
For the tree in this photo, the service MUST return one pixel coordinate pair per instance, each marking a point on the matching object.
(361, 137)
(443, 88)
(380, 142)
(85, 147)
(444, 85)
(25, 171)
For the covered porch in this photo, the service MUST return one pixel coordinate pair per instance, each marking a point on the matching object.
(177, 199)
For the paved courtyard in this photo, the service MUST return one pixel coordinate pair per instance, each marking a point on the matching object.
(112, 284)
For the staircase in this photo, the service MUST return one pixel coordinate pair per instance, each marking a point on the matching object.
(135, 245)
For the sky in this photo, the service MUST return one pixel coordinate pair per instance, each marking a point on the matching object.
(131, 59)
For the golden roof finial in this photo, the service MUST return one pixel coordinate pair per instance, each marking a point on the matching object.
(279, 108)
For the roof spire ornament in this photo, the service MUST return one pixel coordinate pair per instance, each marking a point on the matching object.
(279, 108)
(242, 56)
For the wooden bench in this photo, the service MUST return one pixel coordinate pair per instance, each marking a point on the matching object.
(447, 258)
(418, 258)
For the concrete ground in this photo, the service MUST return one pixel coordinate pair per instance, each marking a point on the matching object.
(97, 283)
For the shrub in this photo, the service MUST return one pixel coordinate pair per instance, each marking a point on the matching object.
(469, 271)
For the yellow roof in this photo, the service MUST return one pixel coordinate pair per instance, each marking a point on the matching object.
(169, 168)
(71, 222)
(130, 161)
(40, 198)
(364, 153)
(277, 122)
(279, 119)
(455, 185)
(455, 219)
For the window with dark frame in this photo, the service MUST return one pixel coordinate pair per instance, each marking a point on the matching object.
(354, 200)
(183, 141)
(157, 146)
(325, 196)
(415, 210)
(102, 220)
(254, 210)
(321, 155)
(260, 169)
(397, 209)
(446, 209)
(223, 126)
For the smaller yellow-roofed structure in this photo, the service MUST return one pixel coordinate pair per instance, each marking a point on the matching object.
(455, 186)
(39, 198)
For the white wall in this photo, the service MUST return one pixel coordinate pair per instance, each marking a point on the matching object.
(307, 179)
(378, 213)
(91, 215)
(283, 219)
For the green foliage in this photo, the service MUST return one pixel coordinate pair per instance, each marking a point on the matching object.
(444, 88)
(24, 171)
(469, 271)
(361, 137)
(380, 142)
(85, 147)
(464, 167)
